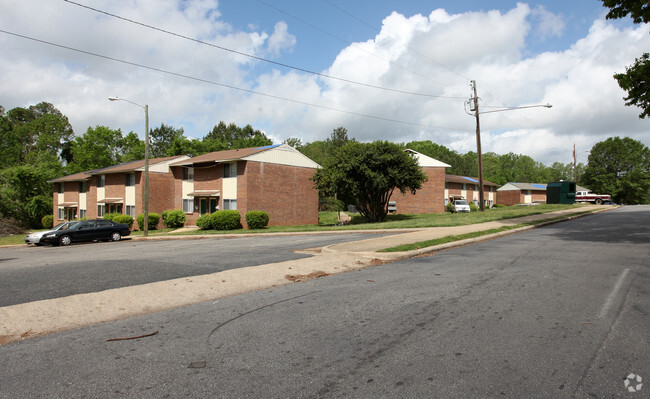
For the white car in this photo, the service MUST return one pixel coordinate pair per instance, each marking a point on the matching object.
(35, 238)
(460, 206)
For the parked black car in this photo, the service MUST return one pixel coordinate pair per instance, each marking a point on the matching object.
(87, 230)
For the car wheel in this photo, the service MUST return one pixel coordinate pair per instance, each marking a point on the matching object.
(116, 236)
(599, 201)
(65, 240)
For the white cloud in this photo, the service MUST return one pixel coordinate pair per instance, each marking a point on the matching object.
(436, 54)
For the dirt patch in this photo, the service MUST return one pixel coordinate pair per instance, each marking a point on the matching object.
(298, 278)
(11, 227)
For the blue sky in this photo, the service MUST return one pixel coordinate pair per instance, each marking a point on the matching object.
(520, 53)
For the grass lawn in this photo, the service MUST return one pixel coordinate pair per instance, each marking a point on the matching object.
(328, 221)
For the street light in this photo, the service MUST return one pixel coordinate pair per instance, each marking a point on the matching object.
(478, 138)
(145, 231)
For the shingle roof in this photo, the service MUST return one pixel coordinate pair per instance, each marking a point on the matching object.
(465, 179)
(529, 186)
(81, 176)
(223, 156)
(131, 166)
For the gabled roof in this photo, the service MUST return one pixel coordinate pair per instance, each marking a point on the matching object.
(81, 176)
(282, 154)
(133, 165)
(426, 161)
(523, 186)
(467, 180)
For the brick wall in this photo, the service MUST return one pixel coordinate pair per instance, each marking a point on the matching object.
(510, 197)
(285, 192)
(429, 199)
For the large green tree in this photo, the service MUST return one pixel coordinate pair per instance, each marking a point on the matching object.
(233, 136)
(162, 139)
(25, 194)
(620, 167)
(636, 79)
(99, 147)
(367, 174)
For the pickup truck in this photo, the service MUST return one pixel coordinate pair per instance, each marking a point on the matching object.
(459, 205)
(588, 196)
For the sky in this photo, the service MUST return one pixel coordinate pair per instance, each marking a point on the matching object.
(300, 69)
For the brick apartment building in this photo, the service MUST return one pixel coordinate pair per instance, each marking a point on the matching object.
(115, 189)
(431, 197)
(521, 193)
(457, 187)
(275, 179)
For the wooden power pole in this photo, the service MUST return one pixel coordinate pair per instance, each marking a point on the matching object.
(478, 150)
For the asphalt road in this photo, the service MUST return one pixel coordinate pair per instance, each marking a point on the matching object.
(29, 273)
(556, 312)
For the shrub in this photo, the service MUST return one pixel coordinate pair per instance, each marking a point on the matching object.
(174, 218)
(228, 219)
(473, 207)
(154, 218)
(257, 219)
(111, 216)
(449, 207)
(204, 222)
(125, 219)
(47, 221)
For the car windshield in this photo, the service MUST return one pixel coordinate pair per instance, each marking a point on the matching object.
(63, 226)
(461, 202)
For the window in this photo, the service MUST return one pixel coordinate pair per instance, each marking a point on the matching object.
(229, 170)
(82, 186)
(230, 204)
(130, 180)
(59, 188)
(82, 213)
(130, 210)
(188, 174)
(101, 209)
(188, 205)
(61, 213)
(101, 181)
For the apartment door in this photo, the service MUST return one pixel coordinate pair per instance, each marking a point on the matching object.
(71, 213)
(203, 206)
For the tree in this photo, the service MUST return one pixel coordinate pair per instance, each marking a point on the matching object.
(369, 173)
(34, 135)
(25, 194)
(161, 139)
(293, 142)
(100, 147)
(636, 79)
(621, 168)
(233, 136)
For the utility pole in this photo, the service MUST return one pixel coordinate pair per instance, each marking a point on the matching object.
(575, 165)
(478, 150)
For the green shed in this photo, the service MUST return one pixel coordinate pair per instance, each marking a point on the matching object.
(561, 192)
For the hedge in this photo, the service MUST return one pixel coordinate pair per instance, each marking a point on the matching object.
(257, 219)
(174, 218)
(204, 222)
(154, 218)
(124, 219)
(47, 221)
(228, 219)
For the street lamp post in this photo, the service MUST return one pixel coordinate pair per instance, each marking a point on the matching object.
(481, 195)
(145, 231)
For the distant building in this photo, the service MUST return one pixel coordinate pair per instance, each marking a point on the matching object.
(521, 193)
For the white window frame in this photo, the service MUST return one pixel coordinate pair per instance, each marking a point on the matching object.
(101, 210)
(61, 214)
(230, 204)
(101, 181)
(188, 205)
(82, 213)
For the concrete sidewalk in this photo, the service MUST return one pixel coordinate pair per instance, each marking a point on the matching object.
(32, 319)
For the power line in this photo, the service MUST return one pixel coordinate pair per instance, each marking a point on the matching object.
(222, 84)
(322, 75)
